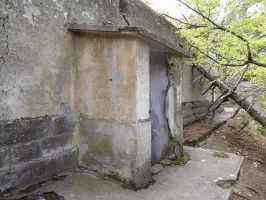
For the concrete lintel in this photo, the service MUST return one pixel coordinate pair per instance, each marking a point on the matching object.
(157, 43)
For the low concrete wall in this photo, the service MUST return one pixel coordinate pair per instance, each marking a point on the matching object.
(32, 150)
(194, 104)
(194, 111)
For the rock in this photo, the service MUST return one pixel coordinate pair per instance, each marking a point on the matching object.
(171, 156)
(166, 162)
(156, 169)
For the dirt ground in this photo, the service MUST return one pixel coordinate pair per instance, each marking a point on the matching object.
(251, 184)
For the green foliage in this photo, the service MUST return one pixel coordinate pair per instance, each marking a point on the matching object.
(147, 2)
(252, 128)
(227, 35)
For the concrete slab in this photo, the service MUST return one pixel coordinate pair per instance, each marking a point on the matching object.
(194, 181)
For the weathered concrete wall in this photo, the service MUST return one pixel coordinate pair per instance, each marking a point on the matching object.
(36, 67)
(194, 111)
(113, 104)
(32, 150)
(158, 91)
(36, 43)
(141, 167)
(140, 15)
(106, 69)
(38, 73)
(175, 66)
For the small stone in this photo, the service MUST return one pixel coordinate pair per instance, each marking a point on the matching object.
(172, 156)
(237, 191)
(254, 164)
(166, 162)
(156, 169)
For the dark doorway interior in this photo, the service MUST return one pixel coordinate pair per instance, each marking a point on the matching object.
(158, 91)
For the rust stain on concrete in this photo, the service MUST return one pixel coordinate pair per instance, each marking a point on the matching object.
(126, 63)
(106, 77)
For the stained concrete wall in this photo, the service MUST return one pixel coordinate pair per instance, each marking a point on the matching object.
(32, 150)
(113, 104)
(36, 78)
(36, 61)
(158, 90)
(38, 74)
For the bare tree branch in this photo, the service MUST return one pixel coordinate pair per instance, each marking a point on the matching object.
(217, 62)
(189, 25)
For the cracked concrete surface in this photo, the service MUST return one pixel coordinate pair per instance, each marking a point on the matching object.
(195, 181)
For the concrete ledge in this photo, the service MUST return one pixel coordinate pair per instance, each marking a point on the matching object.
(155, 41)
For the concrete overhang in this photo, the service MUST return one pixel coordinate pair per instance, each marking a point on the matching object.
(156, 43)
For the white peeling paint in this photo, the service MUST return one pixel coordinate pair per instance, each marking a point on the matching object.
(30, 13)
(65, 14)
(170, 110)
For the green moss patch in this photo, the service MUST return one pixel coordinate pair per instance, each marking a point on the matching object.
(181, 160)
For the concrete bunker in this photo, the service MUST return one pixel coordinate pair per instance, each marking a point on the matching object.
(125, 76)
(83, 94)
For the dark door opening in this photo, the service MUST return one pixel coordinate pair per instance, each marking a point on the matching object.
(158, 91)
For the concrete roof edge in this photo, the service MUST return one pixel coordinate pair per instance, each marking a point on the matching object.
(101, 29)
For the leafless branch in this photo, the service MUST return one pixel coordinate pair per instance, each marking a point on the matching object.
(241, 78)
(217, 62)
(189, 25)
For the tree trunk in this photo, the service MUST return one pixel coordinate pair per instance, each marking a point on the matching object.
(257, 114)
